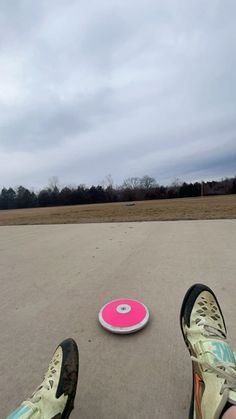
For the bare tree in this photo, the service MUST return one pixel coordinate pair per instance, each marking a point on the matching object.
(147, 182)
(53, 183)
(131, 183)
(108, 182)
(176, 183)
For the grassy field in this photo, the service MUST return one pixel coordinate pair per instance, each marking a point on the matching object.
(214, 207)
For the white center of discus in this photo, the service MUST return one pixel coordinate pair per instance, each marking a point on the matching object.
(123, 308)
(123, 316)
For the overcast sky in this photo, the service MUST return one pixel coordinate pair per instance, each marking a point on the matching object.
(127, 88)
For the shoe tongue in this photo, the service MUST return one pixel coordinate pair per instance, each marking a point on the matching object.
(217, 351)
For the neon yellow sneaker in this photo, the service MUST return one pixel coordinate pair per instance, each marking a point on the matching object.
(54, 398)
(213, 362)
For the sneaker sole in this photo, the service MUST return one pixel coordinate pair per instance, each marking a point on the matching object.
(185, 312)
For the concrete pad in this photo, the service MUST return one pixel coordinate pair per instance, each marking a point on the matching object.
(54, 279)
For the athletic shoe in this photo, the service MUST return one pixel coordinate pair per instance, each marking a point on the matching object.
(54, 398)
(213, 362)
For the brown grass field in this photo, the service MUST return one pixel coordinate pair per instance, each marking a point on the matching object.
(200, 208)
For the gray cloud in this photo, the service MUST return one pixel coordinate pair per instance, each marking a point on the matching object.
(90, 88)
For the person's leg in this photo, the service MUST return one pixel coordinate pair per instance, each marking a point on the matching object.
(230, 413)
(213, 362)
(54, 397)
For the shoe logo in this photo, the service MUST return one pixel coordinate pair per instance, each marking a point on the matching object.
(222, 352)
(197, 382)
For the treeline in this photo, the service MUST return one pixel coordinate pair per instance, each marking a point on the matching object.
(132, 189)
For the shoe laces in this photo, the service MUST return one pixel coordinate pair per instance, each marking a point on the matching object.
(221, 368)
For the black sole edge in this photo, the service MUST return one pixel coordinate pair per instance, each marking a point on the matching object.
(69, 346)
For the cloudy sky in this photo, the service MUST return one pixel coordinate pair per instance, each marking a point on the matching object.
(127, 88)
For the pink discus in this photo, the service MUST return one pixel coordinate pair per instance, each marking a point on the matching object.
(123, 316)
